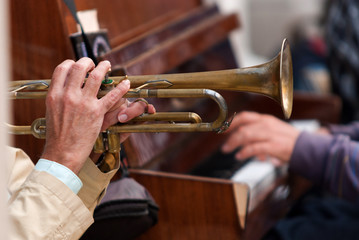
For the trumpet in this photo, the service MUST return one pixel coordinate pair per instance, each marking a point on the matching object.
(273, 79)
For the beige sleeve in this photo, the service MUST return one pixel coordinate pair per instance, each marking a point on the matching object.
(95, 183)
(42, 207)
(19, 167)
(45, 208)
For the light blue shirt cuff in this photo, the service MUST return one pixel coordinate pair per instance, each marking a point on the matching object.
(64, 174)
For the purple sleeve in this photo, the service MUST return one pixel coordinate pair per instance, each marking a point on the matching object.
(329, 161)
(352, 130)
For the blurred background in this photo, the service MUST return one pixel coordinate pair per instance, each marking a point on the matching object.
(264, 24)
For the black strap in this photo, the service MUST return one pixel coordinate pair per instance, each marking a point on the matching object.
(72, 7)
(124, 167)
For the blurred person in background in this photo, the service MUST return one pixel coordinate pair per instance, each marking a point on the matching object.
(326, 55)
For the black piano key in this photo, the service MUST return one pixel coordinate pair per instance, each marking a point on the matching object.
(219, 165)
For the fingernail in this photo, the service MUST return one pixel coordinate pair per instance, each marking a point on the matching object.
(238, 156)
(122, 118)
(126, 82)
(106, 62)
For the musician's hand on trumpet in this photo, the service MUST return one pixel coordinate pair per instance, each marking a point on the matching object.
(74, 114)
(124, 111)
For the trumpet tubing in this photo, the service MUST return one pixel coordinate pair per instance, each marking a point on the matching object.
(273, 79)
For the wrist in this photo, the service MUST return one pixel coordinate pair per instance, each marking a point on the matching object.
(64, 158)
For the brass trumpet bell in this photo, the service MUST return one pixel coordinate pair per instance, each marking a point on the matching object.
(273, 79)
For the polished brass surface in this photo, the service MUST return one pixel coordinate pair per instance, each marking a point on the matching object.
(273, 79)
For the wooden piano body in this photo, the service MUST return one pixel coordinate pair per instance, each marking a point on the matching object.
(150, 37)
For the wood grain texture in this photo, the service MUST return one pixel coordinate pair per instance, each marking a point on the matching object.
(39, 43)
(191, 207)
(181, 47)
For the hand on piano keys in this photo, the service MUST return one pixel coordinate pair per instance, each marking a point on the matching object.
(261, 136)
(259, 170)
